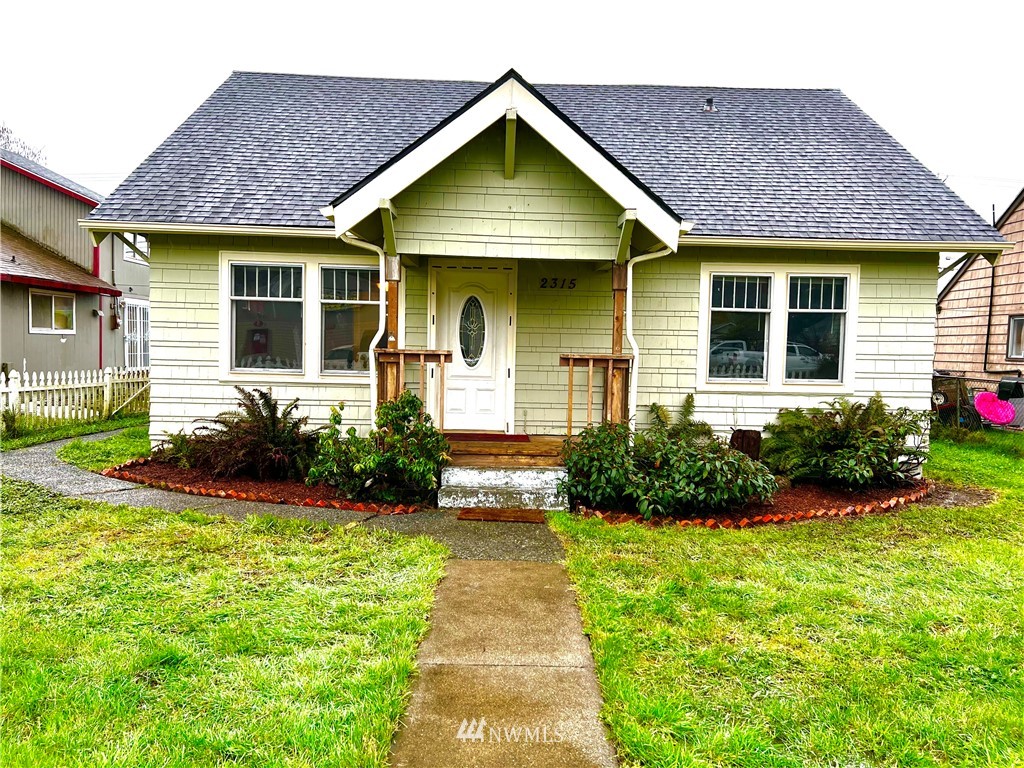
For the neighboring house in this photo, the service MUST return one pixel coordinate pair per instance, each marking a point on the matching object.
(759, 248)
(67, 303)
(980, 325)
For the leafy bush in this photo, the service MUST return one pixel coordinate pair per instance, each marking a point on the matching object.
(661, 471)
(260, 440)
(854, 445)
(599, 465)
(400, 460)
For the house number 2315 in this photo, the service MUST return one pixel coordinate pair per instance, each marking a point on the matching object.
(555, 282)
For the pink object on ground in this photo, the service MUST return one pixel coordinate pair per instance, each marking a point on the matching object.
(993, 409)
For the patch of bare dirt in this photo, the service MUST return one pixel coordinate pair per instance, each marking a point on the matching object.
(949, 496)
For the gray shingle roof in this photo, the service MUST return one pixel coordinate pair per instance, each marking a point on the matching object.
(271, 149)
(53, 177)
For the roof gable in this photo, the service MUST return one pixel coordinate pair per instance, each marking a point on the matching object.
(472, 119)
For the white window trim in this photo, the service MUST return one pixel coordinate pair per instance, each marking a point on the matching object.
(775, 381)
(51, 331)
(311, 317)
(320, 301)
(124, 332)
(1009, 338)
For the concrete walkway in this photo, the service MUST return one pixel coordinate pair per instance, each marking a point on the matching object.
(506, 677)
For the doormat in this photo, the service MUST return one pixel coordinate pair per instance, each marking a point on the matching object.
(490, 515)
(485, 437)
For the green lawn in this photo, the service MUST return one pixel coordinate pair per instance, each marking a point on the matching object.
(71, 429)
(132, 443)
(887, 640)
(136, 637)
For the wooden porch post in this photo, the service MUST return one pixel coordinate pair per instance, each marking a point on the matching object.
(615, 397)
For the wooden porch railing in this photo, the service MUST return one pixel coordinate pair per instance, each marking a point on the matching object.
(391, 369)
(616, 377)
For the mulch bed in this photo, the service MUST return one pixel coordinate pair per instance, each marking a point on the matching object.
(801, 502)
(170, 478)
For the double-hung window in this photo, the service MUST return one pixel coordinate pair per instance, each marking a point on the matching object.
(350, 315)
(774, 326)
(1015, 342)
(266, 317)
(816, 327)
(740, 317)
(51, 312)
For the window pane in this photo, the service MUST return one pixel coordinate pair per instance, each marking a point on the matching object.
(267, 334)
(737, 349)
(1015, 346)
(472, 331)
(64, 313)
(42, 311)
(266, 282)
(814, 342)
(817, 293)
(739, 292)
(340, 284)
(348, 331)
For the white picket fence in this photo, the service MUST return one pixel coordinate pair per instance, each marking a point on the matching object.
(44, 399)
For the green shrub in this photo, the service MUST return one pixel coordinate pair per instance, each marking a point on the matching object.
(854, 445)
(400, 460)
(599, 465)
(956, 434)
(661, 471)
(259, 440)
(677, 477)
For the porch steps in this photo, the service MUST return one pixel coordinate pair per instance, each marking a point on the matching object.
(505, 487)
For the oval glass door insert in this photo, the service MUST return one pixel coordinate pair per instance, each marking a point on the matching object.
(472, 331)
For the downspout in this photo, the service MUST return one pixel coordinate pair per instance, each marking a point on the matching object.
(355, 242)
(99, 299)
(634, 369)
(988, 324)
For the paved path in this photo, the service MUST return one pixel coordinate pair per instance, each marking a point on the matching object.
(506, 663)
(506, 677)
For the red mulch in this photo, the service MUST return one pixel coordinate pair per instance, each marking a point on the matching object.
(801, 502)
(200, 483)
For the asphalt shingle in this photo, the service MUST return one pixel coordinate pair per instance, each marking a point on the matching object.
(51, 176)
(271, 149)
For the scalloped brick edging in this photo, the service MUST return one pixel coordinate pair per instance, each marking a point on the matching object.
(896, 502)
(120, 472)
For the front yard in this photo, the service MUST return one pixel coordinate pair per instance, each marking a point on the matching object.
(141, 637)
(888, 640)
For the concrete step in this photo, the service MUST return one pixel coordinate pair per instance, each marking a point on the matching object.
(457, 497)
(522, 478)
(501, 488)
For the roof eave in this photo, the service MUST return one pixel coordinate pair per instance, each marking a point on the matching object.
(920, 246)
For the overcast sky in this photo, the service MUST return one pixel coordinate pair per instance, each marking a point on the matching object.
(99, 85)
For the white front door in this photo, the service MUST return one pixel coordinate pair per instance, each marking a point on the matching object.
(473, 317)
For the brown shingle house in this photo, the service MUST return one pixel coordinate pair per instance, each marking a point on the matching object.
(980, 323)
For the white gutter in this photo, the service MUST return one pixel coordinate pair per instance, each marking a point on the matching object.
(924, 246)
(634, 369)
(242, 230)
(350, 239)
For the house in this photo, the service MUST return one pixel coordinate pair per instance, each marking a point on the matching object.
(68, 304)
(340, 238)
(980, 326)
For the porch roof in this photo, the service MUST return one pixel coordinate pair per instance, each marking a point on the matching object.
(272, 149)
